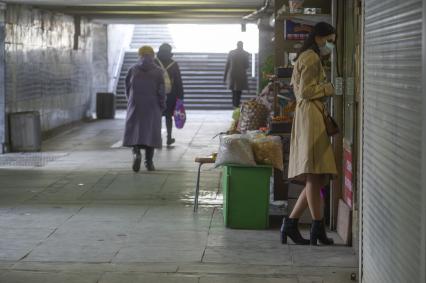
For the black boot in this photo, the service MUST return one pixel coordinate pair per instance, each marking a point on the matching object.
(149, 165)
(170, 140)
(136, 159)
(289, 228)
(318, 234)
(149, 155)
(169, 126)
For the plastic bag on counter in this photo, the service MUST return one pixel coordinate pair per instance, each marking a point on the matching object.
(267, 96)
(235, 149)
(254, 134)
(268, 151)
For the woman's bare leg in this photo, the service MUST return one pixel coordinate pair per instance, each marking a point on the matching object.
(300, 206)
(313, 195)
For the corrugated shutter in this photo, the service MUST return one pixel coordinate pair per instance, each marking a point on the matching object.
(392, 162)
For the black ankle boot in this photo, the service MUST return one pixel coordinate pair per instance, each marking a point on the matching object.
(170, 140)
(318, 234)
(149, 166)
(136, 159)
(289, 228)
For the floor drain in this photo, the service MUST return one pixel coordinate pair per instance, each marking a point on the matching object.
(30, 159)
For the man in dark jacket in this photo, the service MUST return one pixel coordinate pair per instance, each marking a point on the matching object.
(146, 103)
(174, 87)
(236, 72)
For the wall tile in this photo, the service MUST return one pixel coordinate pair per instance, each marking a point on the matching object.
(43, 71)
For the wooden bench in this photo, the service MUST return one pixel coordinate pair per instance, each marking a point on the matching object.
(200, 161)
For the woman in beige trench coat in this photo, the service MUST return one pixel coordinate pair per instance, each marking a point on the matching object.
(311, 155)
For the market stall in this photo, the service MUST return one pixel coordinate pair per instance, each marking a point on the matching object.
(261, 131)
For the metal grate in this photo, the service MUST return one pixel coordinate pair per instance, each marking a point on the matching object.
(32, 159)
(392, 141)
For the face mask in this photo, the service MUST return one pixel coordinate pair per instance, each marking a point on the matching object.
(326, 49)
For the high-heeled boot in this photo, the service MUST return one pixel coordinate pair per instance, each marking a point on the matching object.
(149, 155)
(290, 228)
(318, 234)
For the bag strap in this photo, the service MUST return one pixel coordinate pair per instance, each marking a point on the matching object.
(171, 64)
(159, 62)
(162, 66)
(320, 110)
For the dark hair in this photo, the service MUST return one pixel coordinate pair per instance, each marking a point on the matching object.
(320, 29)
(165, 52)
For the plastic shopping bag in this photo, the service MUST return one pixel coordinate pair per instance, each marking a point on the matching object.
(180, 114)
(235, 149)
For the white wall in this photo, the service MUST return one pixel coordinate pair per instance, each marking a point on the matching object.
(46, 71)
(119, 38)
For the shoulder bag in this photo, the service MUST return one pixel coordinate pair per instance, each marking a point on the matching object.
(331, 126)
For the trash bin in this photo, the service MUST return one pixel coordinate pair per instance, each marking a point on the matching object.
(25, 131)
(246, 196)
(105, 105)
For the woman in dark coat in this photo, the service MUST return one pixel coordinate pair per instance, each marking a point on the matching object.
(165, 61)
(146, 103)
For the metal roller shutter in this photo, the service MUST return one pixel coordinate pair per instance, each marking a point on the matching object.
(392, 142)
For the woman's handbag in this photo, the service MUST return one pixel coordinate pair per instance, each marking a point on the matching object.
(331, 126)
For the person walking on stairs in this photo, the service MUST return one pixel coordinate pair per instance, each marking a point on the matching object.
(236, 72)
(311, 158)
(146, 103)
(173, 85)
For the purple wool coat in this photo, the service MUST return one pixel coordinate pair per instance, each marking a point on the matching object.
(146, 103)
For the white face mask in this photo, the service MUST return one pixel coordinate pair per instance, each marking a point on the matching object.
(326, 49)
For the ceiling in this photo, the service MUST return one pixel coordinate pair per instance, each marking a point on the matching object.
(219, 11)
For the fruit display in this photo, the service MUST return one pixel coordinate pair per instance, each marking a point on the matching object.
(281, 124)
(290, 107)
(283, 118)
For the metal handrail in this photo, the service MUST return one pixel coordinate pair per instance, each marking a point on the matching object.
(117, 70)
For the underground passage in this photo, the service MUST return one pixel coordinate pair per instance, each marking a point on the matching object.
(212, 141)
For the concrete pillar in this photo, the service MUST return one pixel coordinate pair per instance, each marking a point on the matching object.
(99, 62)
(2, 80)
(266, 47)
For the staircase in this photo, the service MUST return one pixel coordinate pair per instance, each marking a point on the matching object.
(202, 73)
(152, 35)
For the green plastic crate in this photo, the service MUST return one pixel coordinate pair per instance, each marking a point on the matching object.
(246, 196)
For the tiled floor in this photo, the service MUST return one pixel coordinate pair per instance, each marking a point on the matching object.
(86, 217)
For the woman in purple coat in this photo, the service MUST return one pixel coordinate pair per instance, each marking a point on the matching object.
(146, 103)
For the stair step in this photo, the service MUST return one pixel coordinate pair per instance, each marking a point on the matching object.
(198, 97)
(202, 73)
(189, 91)
(208, 101)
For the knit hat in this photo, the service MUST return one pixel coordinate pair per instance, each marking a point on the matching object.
(146, 50)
